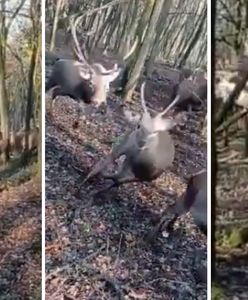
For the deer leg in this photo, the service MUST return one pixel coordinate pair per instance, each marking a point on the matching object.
(190, 109)
(153, 233)
(80, 111)
(55, 93)
(176, 210)
(125, 175)
(116, 183)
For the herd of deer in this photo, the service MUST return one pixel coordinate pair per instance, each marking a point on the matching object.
(149, 147)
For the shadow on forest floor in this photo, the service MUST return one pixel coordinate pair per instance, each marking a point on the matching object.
(20, 231)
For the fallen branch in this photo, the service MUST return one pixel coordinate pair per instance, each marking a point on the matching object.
(232, 120)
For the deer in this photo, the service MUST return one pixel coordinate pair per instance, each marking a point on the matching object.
(226, 82)
(149, 149)
(192, 91)
(194, 200)
(84, 82)
(233, 86)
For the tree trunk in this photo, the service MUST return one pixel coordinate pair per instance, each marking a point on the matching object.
(194, 39)
(154, 8)
(159, 35)
(55, 24)
(4, 104)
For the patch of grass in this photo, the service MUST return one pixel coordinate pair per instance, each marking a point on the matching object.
(36, 244)
(86, 229)
(233, 238)
(217, 293)
(37, 294)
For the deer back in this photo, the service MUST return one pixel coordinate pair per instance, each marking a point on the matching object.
(199, 206)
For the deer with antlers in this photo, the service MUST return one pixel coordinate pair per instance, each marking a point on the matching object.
(80, 79)
(148, 149)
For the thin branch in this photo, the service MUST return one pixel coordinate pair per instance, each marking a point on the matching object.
(20, 14)
(232, 120)
(112, 3)
(13, 16)
(18, 58)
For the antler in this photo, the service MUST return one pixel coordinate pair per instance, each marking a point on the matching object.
(132, 49)
(173, 103)
(142, 96)
(82, 57)
(77, 48)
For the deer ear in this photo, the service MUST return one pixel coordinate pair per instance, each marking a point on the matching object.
(131, 117)
(163, 124)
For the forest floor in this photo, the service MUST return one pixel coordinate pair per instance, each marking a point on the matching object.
(232, 228)
(20, 235)
(95, 249)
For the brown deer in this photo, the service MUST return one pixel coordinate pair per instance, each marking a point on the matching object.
(193, 200)
(148, 149)
(80, 79)
(192, 91)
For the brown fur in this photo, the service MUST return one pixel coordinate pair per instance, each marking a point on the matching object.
(194, 200)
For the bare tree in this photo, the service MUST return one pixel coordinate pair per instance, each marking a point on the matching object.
(152, 9)
(35, 45)
(59, 4)
(5, 25)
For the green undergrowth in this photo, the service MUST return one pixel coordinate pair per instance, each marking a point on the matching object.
(232, 238)
(217, 292)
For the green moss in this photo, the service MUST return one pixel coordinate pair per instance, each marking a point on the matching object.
(36, 245)
(233, 238)
(238, 237)
(217, 293)
(37, 294)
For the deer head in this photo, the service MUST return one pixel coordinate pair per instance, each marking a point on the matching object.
(100, 77)
(118, 71)
(148, 147)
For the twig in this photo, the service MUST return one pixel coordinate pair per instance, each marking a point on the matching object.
(225, 159)
(119, 250)
(68, 297)
(232, 120)
(113, 283)
(58, 270)
(89, 12)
